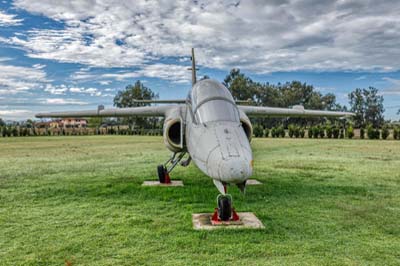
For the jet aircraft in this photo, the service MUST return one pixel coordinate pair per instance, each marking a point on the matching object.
(212, 128)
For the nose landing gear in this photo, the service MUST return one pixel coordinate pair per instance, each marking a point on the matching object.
(225, 213)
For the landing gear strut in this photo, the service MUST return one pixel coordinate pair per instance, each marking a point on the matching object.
(163, 170)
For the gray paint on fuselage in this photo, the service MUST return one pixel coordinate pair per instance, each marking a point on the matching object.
(220, 149)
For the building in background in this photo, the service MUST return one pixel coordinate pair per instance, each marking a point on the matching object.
(64, 123)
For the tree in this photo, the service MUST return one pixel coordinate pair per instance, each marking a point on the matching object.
(373, 107)
(356, 101)
(241, 87)
(368, 106)
(127, 97)
(2, 123)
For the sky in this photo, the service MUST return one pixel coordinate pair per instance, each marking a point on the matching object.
(76, 54)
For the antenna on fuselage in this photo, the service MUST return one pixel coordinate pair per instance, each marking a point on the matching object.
(193, 68)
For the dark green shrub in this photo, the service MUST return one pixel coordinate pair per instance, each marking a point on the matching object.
(385, 132)
(341, 134)
(296, 131)
(335, 132)
(373, 133)
(362, 133)
(14, 131)
(258, 131)
(321, 132)
(310, 132)
(316, 132)
(350, 132)
(273, 132)
(281, 132)
(266, 132)
(291, 130)
(329, 132)
(302, 132)
(396, 133)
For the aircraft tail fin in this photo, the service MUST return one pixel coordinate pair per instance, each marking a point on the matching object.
(193, 68)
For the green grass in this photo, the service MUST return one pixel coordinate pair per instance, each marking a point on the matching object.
(323, 202)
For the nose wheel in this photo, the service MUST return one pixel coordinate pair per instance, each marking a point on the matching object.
(225, 213)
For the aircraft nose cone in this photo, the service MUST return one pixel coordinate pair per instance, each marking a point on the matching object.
(230, 170)
(235, 170)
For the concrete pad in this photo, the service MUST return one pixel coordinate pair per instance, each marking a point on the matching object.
(174, 183)
(202, 221)
(253, 182)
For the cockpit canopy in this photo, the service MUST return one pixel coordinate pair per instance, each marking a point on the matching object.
(211, 101)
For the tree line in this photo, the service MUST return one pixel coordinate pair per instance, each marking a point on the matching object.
(366, 103)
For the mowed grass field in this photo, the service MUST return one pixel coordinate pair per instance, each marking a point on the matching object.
(79, 201)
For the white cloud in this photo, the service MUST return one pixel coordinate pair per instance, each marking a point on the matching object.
(38, 66)
(15, 79)
(260, 36)
(90, 91)
(174, 73)
(392, 80)
(61, 101)
(105, 82)
(17, 112)
(394, 88)
(7, 20)
(56, 90)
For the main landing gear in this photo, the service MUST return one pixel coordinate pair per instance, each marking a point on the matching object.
(163, 170)
(225, 213)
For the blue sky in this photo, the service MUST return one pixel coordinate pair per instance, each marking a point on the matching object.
(73, 55)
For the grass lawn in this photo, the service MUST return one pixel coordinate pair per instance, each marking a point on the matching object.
(323, 202)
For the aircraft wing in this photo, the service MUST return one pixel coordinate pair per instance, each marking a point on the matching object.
(295, 111)
(112, 112)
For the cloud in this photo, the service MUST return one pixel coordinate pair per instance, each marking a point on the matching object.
(7, 20)
(174, 73)
(170, 72)
(392, 81)
(14, 113)
(361, 77)
(90, 91)
(394, 88)
(56, 90)
(259, 36)
(63, 89)
(16, 79)
(105, 82)
(61, 101)
(38, 66)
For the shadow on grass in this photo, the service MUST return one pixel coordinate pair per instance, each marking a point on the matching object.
(196, 191)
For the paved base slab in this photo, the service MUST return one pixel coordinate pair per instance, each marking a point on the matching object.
(253, 182)
(174, 183)
(202, 221)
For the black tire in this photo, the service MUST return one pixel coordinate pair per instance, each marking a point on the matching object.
(161, 173)
(224, 208)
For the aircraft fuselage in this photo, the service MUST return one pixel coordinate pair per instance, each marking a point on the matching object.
(215, 138)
